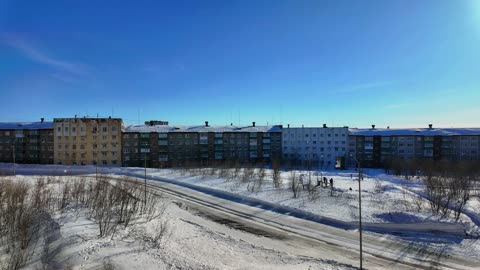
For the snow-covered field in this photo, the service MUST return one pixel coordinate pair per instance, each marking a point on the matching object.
(199, 243)
(385, 198)
(192, 242)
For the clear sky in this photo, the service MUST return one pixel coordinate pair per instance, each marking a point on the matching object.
(390, 63)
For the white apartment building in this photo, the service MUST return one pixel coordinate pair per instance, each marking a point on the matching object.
(323, 147)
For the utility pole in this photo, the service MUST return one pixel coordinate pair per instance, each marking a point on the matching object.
(360, 177)
(145, 186)
(96, 143)
(14, 166)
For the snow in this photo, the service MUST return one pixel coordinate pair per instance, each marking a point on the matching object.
(202, 129)
(415, 131)
(26, 125)
(194, 243)
(200, 243)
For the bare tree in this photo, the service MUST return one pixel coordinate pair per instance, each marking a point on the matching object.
(276, 174)
(295, 184)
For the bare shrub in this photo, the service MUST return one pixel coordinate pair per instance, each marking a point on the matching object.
(276, 176)
(418, 202)
(161, 234)
(295, 185)
(378, 187)
(313, 193)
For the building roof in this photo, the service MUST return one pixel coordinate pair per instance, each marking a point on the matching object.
(162, 128)
(26, 125)
(414, 131)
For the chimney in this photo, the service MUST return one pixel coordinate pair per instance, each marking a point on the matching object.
(373, 126)
(288, 125)
(75, 116)
(324, 125)
(231, 124)
(206, 123)
(430, 126)
(302, 126)
(253, 124)
(388, 127)
(151, 123)
(42, 120)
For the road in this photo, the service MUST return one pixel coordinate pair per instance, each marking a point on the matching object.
(306, 237)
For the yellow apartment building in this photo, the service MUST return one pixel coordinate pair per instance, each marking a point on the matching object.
(87, 141)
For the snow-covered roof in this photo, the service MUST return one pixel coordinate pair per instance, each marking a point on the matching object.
(414, 131)
(26, 125)
(162, 128)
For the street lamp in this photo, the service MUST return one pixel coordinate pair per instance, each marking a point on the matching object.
(360, 177)
(144, 150)
(14, 166)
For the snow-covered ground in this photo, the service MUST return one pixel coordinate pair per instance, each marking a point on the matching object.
(197, 243)
(385, 198)
(192, 242)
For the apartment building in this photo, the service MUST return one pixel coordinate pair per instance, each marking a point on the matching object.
(373, 147)
(87, 141)
(162, 145)
(324, 147)
(28, 142)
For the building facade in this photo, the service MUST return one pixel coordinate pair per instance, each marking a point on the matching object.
(161, 145)
(27, 142)
(87, 141)
(374, 147)
(324, 147)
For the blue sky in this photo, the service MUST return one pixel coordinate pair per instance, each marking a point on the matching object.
(356, 63)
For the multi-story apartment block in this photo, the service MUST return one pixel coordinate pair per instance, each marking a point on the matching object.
(324, 147)
(162, 145)
(27, 142)
(87, 141)
(373, 147)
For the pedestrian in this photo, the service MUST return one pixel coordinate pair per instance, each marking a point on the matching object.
(331, 186)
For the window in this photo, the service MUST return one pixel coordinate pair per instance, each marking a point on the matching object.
(104, 129)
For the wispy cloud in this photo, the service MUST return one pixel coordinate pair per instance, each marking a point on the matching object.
(363, 86)
(36, 55)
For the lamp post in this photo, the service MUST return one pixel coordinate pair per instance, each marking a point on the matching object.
(96, 143)
(14, 166)
(144, 149)
(145, 186)
(360, 177)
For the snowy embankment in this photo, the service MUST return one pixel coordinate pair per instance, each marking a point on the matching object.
(389, 203)
(71, 241)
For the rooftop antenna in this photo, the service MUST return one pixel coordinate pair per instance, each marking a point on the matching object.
(239, 117)
(281, 114)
